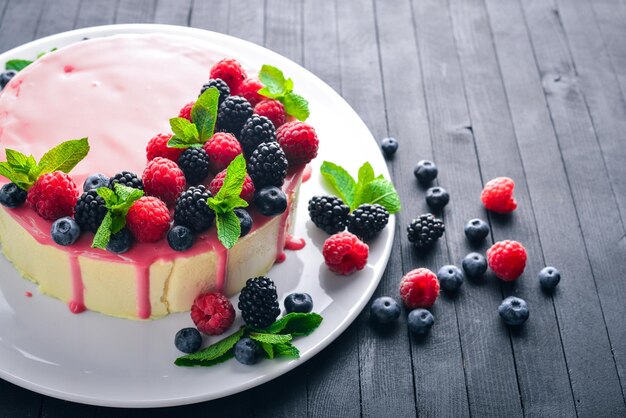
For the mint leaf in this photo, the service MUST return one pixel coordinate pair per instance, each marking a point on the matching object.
(235, 177)
(64, 156)
(213, 354)
(379, 191)
(177, 142)
(366, 173)
(274, 82)
(103, 235)
(16, 158)
(286, 350)
(22, 180)
(17, 65)
(126, 194)
(178, 126)
(268, 348)
(294, 323)
(270, 338)
(340, 180)
(296, 105)
(204, 113)
(109, 196)
(118, 203)
(228, 228)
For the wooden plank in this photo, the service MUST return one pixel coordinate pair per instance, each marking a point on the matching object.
(17, 402)
(591, 369)
(247, 22)
(135, 11)
(601, 223)
(19, 23)
(211, 15)
(321, 47)
(58, 17)
(96, 12)
(56, 408)
(173, 12)
(488, 360)
(540, 363)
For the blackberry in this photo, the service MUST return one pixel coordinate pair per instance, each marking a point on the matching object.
(328, 213)
(232, 114)
(267, 165)
(192, 211)
(126, 178)
(195, 165)
(367, 220)
(258, 302)
(256, 130)
(220, 85)
(425, 230)
(90, 211)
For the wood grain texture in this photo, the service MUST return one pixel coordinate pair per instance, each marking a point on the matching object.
(58, 17)
(19, 22)
(173, 12)
(211, 15)
(135, 11)
(96, 12)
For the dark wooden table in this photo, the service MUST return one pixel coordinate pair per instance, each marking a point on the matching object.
(531, 89)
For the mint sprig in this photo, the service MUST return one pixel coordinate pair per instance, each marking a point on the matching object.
(226, 200)
(204, 116)
(368, 188)
(276, 86)
(118, 203)
(20, 64)
(213, 354)
(25, 170)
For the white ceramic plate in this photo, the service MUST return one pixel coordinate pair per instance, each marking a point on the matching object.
(95, 359)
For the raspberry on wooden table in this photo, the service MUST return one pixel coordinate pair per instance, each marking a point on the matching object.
(507, 259)
(419, 288)
(497, 195)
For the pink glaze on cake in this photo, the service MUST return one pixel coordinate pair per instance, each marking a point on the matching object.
(306, 174)
(294, 244)
(77, 303)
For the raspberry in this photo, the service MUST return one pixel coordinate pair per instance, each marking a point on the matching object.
(299, 141)
(219, 84)
(157, 147)
(249, 89)
(192, 211)
(232, 114)
(148, 219)
(90, 211)
(272, 109)
(258, 302)
(328, 213)
(222, 148)
(247, 191)
(344, 253)
(162, 178)
(267, 165)
(185, 112)
(53, 196)
(507, 259)
(256, 130)
(367, 220)
(419, 288)
(212, 313)
(497, 196)
(230, 71)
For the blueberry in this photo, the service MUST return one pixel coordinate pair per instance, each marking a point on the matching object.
(425, 172)
(120, 241)
(247, 351)
(180, 238)
(474, 265)
(5, 77)
(299, 302)
(450, 278)
(384, 310)
(245, 220)
(188, 340)
(12, 196)
(476, 230)
(65, 231)
(513, 310)
(270, 200)
(549, 277)
(420, 321)
(437, 198)
(389, 146)
(95, 181)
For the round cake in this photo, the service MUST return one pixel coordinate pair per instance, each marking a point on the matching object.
(119, 92)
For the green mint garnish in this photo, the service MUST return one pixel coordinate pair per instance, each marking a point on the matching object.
(204, 116)
(24, 170)
(118, 203)
(19, 65)
(275, 340)
(276, 86)
(226, 200)
(368, 188)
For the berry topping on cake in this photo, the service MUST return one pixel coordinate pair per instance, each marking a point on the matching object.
(95, 181)
(194, 162)
(222, 148)
(247, 190)
(272, 109)
(474, 265)
(385, 310)
(12, 196)
(549, 277)
(437, 198)
(450, 278)
(419, 288)
(162, 178)
(180, 238)
(368, 220)
(328, 213)
(299, 141)
(425, 230)
(53, 195)
(148, 219)
(420, 321)
(344, 253)
(90, 211)
(126, 178)
(507, 259)
(389, 146)
(192, 211)
(220, 85)
(65, 231)
(248, 351)
(188, 340)
(120, 242)
(157, 147)
(245, 221)
(255, 131)
(233, 113)
(270, 201)
(425, 172)
(298, 302)
(212, 313)
(230, 71)
(258, 302)
(497, 195)
(185, 111)
(514, 311)
(249, 90)
(267, 165)
(476, 230)
(5, 77)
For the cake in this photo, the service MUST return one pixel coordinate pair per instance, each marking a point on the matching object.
(119, 92)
